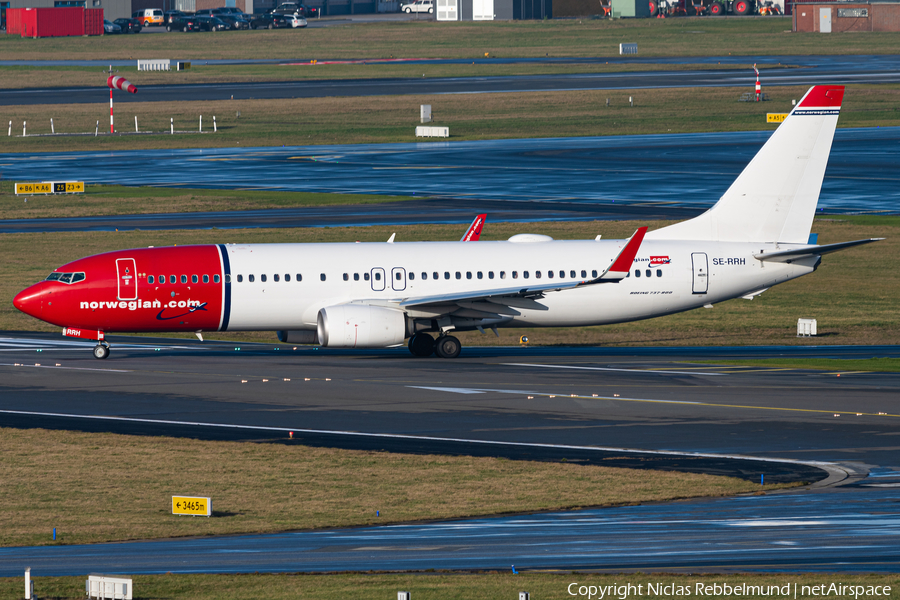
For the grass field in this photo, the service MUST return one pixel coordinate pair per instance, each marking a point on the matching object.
(121, 200)
(317, 121)
(425, 39)
(434, 586)
(62, 479)
(852, 294)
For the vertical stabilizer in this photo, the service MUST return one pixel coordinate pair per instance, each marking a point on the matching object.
(774, 199)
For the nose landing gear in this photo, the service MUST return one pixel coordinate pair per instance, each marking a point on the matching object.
(101, 350)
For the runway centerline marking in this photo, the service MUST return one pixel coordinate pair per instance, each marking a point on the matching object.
(609, 369)
(571, 396)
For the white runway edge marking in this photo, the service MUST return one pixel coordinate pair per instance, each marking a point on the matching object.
(63, 368)
(560, 395)
(609, 369)
(830, 468)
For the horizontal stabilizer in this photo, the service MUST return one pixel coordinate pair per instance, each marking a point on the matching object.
(786, 255)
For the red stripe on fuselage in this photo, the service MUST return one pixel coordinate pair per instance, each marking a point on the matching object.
(159, 306)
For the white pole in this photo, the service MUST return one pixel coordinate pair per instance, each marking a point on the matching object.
(23, 128)
(201, 123)
(135, 125)
(97, 130)
(215, 129)
(172, 125)
(52, 130)
(28, 583)
(10, 130)
(111, 129)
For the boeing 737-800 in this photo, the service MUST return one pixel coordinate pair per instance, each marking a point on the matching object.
(374, 295)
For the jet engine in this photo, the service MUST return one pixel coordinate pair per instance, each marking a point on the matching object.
(360, 326)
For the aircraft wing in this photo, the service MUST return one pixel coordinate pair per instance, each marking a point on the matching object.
(789, 255)
(504, 301)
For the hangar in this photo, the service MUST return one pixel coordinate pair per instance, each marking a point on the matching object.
(840, 17)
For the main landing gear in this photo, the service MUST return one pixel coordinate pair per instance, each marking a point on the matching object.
(101, 350)
(446, 346)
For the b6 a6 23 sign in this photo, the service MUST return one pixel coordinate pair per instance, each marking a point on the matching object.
(50, 187)
(191, 505)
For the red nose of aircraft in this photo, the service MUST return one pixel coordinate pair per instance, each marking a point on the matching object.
(30, 300)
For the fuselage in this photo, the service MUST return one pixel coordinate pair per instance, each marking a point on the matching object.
(284, 286)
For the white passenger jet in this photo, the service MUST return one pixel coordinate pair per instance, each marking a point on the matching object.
(376, 295)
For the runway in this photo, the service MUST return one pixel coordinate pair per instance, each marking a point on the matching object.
(659, 399)
(649, 176)
(677, 404)
(818, 70)
(835, 532)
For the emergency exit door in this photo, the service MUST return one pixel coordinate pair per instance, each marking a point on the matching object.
(126, 275)
(701, 272)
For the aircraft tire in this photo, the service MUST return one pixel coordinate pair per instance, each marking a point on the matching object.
(447, 346)
(101, 351)
(422, 345)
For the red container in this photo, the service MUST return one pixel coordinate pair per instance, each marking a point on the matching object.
(54, 22)
(15, 21)
(93, 21)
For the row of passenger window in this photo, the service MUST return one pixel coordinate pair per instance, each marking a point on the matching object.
(424, 276)
(365, 276)
(173, 279)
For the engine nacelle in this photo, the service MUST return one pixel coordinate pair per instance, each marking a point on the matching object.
(360, 326)
(299, 336)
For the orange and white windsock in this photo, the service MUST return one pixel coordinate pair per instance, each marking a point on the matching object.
(758, 87)
(121, 83)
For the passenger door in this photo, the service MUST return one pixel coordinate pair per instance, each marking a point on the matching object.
(126, 276)
(701, 272)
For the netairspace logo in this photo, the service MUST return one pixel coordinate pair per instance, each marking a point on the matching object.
(628, 590)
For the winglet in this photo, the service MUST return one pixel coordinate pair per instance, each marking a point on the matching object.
(474, 231)
(622, 264)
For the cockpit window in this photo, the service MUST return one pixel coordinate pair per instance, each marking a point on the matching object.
(66, 277)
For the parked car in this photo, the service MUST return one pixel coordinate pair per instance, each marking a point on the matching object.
(426, 6)
(109, 27)
(149, 16)
(171, 14)
(269, 21)
(229, 10)
(235, 21)
(129, 25)
(296, 8)
(183, 23)
(207, 23)
(296, 21)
